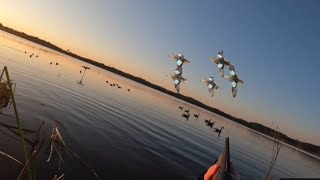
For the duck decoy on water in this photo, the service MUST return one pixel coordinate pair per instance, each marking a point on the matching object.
(209, 123)
(196, 115)
(218, 130)
(186, 116)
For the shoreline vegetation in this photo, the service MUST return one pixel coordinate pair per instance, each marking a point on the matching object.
(308, 147)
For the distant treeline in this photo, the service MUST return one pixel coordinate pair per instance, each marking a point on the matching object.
(255, 126)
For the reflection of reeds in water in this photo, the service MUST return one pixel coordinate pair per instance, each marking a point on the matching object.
(58, 145)
(275, 151)
(35, 145)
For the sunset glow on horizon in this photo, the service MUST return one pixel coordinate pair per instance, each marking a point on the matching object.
(137, 36)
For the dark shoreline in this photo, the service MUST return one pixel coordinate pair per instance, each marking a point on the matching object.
(310, 148)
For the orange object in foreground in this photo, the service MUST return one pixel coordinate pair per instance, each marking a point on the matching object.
(211, 172)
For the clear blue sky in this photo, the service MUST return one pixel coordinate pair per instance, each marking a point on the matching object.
(273, 45)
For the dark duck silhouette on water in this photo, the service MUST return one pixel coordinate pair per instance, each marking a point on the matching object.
(187, 111)
(186, 116)
(209, 123)
(218, 130)
(196, 116)
(181, 108)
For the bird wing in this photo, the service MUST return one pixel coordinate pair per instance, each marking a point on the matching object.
(205, 81)
(173, 56)
(186, 61)
(183, 79)
(215, 60)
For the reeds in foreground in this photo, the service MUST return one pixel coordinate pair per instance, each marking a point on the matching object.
(9, 96)
(275, 151)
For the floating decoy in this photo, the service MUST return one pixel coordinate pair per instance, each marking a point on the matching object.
(187, 111)
(196, 115)
(179, 58)
(234, 83)
(186, 116)
(218, 130)
(211, 85)
(221, 62)
(177, 80)
(209, 123)
(181, 108)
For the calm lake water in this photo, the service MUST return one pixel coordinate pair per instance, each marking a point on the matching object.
(136, 134)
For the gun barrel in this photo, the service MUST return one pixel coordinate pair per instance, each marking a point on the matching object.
(225, 168)
(225, 165)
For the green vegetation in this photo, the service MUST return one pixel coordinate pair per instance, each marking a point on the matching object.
(314, 149)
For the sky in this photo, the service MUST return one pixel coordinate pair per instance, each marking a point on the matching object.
(272, 44)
